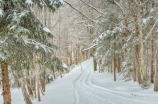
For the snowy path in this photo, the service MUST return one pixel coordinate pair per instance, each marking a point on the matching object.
(89, 87)
(87, 93)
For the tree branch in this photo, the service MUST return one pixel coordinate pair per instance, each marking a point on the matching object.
(80, 12)
(93, 7)
(113, 23)
(151, 31)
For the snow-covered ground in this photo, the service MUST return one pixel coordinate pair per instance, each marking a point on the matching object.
(89, 87)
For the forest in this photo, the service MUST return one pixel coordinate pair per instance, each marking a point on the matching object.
(78, 51)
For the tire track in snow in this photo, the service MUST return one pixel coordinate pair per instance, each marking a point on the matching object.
(120, 95)
(76, 97)
(87, 93)
(99, 96)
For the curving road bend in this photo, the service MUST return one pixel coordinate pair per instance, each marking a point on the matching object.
(87, 93)
(85, 88)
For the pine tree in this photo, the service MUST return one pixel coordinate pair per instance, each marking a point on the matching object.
(21, 36)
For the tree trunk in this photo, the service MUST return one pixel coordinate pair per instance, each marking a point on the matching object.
(71, 56)
(85, 55)
(32, 82)
(60, 74)
(111, 65)
(80, 54)
(114, 65)
(88, 55)
(95, 64)
(143, 76)
(5, 83)
(138, 67)
(119, 68)
(99, 67)
(54, 73)
(156, 75)
(25, 95)
(136, 47)
(44, 82)
(146, 61)
(28, 83)
(5, 77)
(38, 85)
(134, 71)
(152, 56)
(76, 54)
(37, 80)
(35, 86)
(67, 58)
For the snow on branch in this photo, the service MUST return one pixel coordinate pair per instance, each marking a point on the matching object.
(46, 30)
(62, 1)
(90, 47)
(1, 12)
(38, 45)
(29, 2)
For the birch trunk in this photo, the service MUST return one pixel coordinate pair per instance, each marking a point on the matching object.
(143, 76)
(37, 78)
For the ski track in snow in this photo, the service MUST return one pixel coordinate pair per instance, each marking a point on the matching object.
(87, 93)
(89, 87)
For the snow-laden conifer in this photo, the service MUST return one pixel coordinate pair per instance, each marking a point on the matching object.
(22, 36)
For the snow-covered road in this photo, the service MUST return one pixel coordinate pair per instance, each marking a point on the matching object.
(89, 87)
(87, 93)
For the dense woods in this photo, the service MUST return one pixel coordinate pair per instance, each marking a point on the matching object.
(42, 40)
(126, 39)
(123, 36)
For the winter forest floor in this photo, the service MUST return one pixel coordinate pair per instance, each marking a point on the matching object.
(89, 87)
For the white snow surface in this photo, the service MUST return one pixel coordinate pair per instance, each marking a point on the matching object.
(62, 1)
(29, 2)
(47, 30)
(89, 87)
(1, 12)
(64, 65)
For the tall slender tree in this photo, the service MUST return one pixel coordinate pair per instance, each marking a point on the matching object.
(21, 35)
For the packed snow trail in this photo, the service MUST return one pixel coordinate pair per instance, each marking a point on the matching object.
(87, 93)
(89, 87)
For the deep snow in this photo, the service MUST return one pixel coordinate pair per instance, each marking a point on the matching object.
(89, 87)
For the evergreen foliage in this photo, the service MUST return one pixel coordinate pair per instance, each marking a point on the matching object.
(121, 28)
(22, 34)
